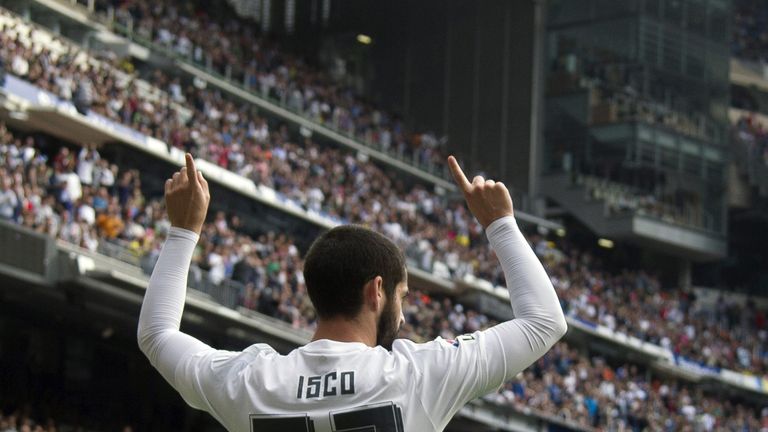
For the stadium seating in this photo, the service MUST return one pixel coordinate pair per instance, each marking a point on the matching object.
(750, 30)
(619, 198)
(428, 226)
(592, 392)
(113, 216)
(23, 420)
(750, 141)
(218, 43)
(80, 198)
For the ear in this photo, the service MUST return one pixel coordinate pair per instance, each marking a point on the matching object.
(374, 295)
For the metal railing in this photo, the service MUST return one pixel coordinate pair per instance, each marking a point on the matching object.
(227, 292)
(229, 74)
(750, 156)
(621, 199)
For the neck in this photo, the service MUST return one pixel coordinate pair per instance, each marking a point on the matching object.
(346, 330)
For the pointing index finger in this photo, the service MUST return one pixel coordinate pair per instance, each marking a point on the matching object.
(458, 174)
(191, 170)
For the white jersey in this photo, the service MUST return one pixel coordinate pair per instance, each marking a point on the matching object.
(328, 385)
(332, 386)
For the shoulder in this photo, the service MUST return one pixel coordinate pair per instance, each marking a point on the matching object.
(440, 351)
(225, 362)
(260, 349)
(408, 347)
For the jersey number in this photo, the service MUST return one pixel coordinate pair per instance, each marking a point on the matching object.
(385, 417)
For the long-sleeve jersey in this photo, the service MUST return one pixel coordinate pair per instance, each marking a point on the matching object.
(328, 385)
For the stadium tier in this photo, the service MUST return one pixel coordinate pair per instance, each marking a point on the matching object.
(78, 197)
(90, 136)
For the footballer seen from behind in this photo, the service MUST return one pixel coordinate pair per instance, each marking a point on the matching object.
(354, 375)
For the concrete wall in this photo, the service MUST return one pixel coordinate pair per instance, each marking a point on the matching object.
(461, 68)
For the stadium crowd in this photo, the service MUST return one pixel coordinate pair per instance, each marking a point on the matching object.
(753, 137)
(619, 198)
(429, 226)
(22, 420)
(261, 65)
(591, 391)
(217, 40)
(81, 198)
(749, 39)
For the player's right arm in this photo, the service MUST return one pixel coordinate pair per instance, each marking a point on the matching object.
(180, 358)
(479, 363)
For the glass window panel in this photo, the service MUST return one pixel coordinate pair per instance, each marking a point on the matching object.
(697, 17)
(653, 8)
(673, 12)
(669, 159)
(692, 165)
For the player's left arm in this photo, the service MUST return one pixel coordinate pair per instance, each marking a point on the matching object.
(187, 198)
(451, 374)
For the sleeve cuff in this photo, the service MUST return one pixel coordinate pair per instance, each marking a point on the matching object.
(497, 226)
(183, 234)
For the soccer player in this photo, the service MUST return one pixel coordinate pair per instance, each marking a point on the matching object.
(354, 374)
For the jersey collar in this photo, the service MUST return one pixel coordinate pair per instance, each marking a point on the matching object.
(332, 346)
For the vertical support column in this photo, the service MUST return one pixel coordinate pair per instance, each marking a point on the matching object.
(326, 12)
(447, 72)
(684, 274)
(313, 12)
(502, 174)
(25, 12)
(266, 16)
(55, 26)
(290, 16)
(408, 65)
(474, 137)
(537, 107)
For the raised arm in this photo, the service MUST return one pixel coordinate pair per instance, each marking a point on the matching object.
(539, 321)
(186, 198)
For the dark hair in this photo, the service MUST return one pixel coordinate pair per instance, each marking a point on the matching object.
(341, 261)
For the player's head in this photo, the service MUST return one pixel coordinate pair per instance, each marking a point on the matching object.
(349, 264)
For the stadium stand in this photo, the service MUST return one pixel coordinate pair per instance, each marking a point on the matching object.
(750, 142)
(97, 201)
(748, 47)
(217, 42)
(750, 35)
(16, 421)
(73, 194)
(590, 391)
(23, 420)
(51, 187)
(234, 138)
(613, 99)
(619, 198)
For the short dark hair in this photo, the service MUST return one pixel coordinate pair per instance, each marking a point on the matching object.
(341, 261)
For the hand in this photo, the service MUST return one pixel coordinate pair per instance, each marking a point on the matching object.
(187, 197)
(487, 200)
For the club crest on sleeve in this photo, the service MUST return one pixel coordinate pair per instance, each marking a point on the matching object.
(460, 339)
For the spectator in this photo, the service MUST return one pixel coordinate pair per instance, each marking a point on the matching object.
(9, 202)
(2, 72)
(87, 160)
(84, 92)
(110, 223)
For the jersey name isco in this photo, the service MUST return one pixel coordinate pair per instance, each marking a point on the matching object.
(331, 384)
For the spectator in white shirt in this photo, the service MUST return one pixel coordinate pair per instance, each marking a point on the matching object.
(8, 199)
(86, 161)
